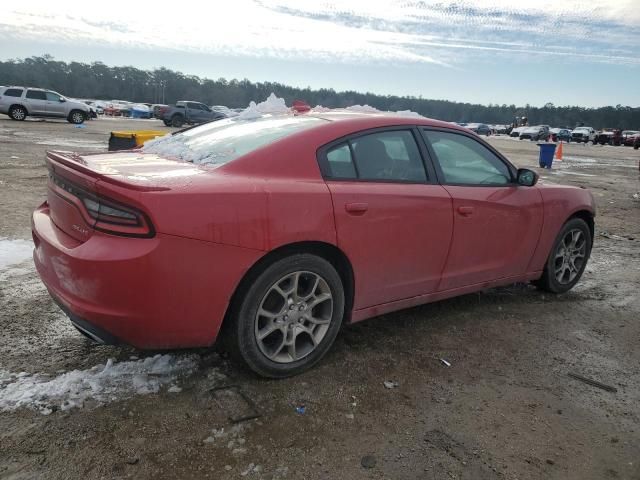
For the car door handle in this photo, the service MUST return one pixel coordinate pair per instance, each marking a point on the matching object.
(356, 208)
(465, 211)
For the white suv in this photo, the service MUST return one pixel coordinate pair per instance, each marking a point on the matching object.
(20, 102)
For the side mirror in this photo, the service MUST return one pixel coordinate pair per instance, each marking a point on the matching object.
(526, 177)
(62, 100)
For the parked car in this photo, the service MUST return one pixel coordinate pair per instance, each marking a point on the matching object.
(22, 102)
(560, 135)
(479, 128)
(157, 110)
(515, 132)
(583, 134)
(272, 232)
(98, 108)
(536, 133)
(608, 136)
(189, 112)
(226, 111)
(636, 142)
(628, 137)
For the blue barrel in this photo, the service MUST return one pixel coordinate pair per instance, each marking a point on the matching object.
(547, 151)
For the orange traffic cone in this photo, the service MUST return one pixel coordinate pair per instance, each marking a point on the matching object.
(559, 152)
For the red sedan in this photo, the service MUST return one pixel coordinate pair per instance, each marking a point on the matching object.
(276, 230)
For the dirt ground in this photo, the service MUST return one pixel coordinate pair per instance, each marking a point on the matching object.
(505, 408)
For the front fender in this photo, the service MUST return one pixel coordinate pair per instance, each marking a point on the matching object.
(560, 203)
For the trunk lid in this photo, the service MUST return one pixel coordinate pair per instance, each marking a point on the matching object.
(77, 180)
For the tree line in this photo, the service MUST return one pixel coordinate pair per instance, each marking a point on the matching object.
(162, 85)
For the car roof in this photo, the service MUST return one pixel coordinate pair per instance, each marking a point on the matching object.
(362, 121)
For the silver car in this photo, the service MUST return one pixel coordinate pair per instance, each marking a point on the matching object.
(21, 102)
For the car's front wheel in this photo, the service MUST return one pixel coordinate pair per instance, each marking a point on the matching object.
(77, 117)
(568, 257)
(288, 316)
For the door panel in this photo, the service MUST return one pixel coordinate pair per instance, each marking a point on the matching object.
(495, 233)
(396, 235)
(36, 102)
(54, 106)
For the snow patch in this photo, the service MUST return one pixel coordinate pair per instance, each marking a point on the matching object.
(579, 159)
(13, 252)
(272, 105)
(363, 109)
(369, 109)
(102, 383)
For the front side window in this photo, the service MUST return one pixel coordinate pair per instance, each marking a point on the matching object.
(36, 95)
(388, 156)
(53, 97)
(13, 92)
(466, 161)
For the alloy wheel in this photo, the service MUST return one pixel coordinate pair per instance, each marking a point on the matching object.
(18, 114)
(570, 256)
(294, 316)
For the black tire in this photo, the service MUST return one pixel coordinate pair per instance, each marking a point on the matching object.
(76, 117)
(177, 121)
(18, 113)
(167, 123)
(548, 282)
(241, 333)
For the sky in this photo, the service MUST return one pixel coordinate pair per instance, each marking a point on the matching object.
(566, 52)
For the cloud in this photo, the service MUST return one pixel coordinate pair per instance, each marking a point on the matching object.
(356, 31)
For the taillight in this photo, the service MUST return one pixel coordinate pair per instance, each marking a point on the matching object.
(104, 214)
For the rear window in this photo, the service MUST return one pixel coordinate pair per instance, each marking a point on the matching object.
(219, 142)
(13, 92)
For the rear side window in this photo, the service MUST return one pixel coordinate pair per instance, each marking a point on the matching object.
(389, 156)
(340, 162)
(13, 92)
(36, 95)
(465, 161)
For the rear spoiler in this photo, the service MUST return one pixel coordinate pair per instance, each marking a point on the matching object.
(77, 162)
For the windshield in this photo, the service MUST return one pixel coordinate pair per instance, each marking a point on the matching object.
(219, 142)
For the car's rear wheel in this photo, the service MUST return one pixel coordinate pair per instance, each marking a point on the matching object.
(18, 113)
(289, 316)
(76, 116)
(177, 121)
(167, 123)
(568, 257)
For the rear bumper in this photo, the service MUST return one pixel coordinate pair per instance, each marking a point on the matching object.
(161, 292)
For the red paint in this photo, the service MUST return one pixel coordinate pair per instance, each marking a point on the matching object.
(407, 243)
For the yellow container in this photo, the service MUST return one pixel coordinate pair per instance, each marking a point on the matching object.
(139, 136)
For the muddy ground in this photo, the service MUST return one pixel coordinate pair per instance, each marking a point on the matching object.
(504, 409)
